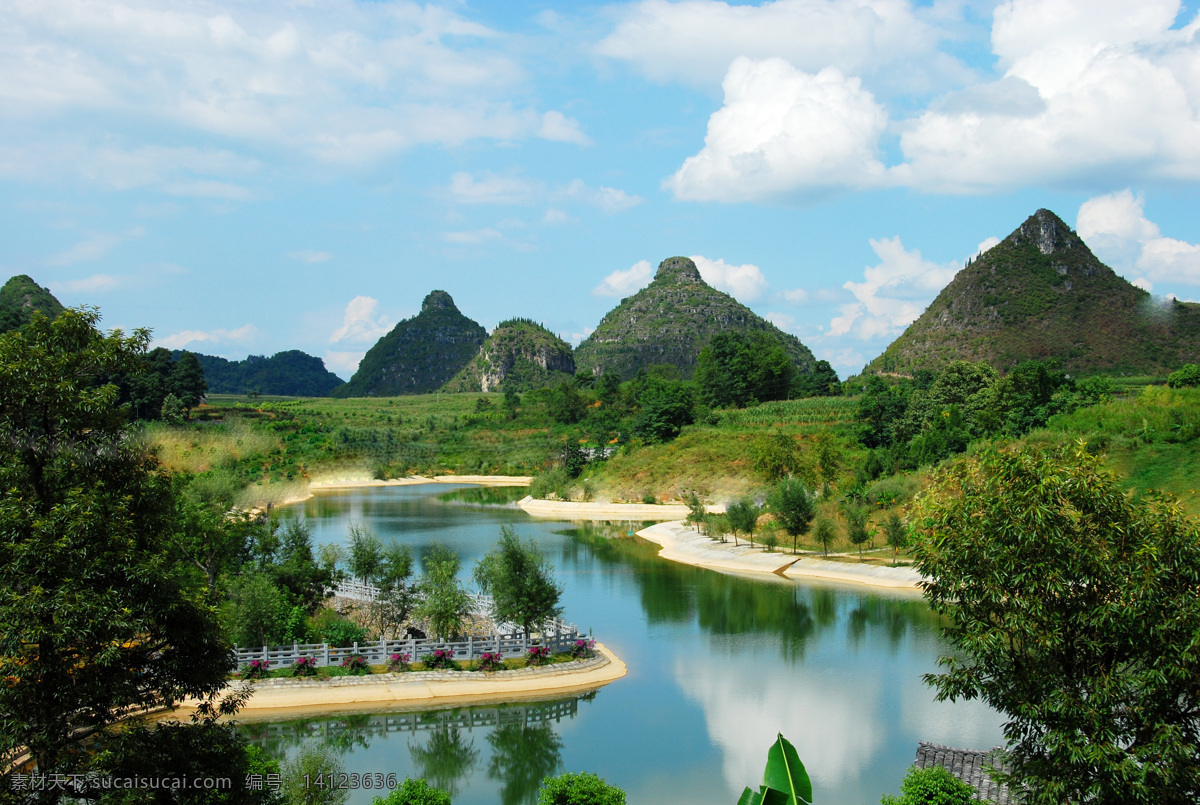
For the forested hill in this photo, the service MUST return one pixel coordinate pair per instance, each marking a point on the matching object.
(419, 354)
(19, 297)
(669, 322)
(292, 373)
(1041, 294)
(520, 356)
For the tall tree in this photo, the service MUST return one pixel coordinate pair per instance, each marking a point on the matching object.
(739, 368)
(95, 619)
(187, 381)
(793, 506)
(1072, 609)
(444, 603)
(743, 516)
(520, 581)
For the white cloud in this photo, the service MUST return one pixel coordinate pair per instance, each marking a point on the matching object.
(558, 127)
(745, 282)
(553, 217)
(1093, 91)
(92, 249)
(490, 188)
(94, 283)
(476, 236)
(344, 82)
(694, 41)
(1115, 227)
(310, 256)
(986, 244)
(361, 322)
(782, 321)
(575, 338)
(784, 133)
(246, 332)
(797, 296)
(343, 363)
(209, 188)
(623, 283)
(892, 294)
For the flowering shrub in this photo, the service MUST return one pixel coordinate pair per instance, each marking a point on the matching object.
(491, 661)
(537, 655)
(355, 663)
(257, 669)
(583, 648)
(305, 666)
(440, 658)
(399, 662)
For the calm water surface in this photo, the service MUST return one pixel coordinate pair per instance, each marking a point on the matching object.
(718, 664)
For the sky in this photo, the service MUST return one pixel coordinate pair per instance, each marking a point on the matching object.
(244, 177)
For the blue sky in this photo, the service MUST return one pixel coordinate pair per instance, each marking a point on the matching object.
(246, 177)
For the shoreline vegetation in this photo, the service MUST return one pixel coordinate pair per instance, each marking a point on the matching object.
(425, 688)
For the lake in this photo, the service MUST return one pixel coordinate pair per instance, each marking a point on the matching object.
(718, 665)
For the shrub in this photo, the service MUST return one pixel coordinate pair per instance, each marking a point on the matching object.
(1189, 375)
(583, 648)
(582, 788)
(771, 540)
(355, 664)
(649, 499)
(399, 662)
(932, 786)
(537, 655)
(327, 626)
(257, 669)
(554, 482)
(305, 666)
(414, 792)
(440, 658)
(491, 661)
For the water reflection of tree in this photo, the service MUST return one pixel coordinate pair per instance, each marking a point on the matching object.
(724, 604)
(445, 759)
(522, 755)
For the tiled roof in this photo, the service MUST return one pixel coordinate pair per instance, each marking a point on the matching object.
(970, 766)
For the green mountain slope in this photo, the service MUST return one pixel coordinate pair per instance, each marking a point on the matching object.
(292, 373)
(670, 321)
(518, 355)
(1041, 293)
(420, 354)
(19, 297)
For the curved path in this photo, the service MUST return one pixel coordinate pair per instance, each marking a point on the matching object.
(430, 688)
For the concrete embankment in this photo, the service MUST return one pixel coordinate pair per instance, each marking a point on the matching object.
(431, 688)
(570, 510)
(681, 543)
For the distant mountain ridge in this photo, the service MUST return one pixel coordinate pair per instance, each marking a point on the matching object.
(20, 297)
(1039, 294)
(669, 322)
(420, 354)
(519, 355)
(291, 373)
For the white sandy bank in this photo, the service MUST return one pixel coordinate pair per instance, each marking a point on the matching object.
(570, 510)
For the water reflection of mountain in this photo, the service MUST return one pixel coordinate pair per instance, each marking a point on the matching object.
(726, 604)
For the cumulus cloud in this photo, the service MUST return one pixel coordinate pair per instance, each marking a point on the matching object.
(361, 322)
(1115, 227)
(745, 282)
(623, 283)
(246, 332)
(474, 236)
(892, 294)
(797, 296)
(558, 127)
(1091, 90)
(343, 363)
(785, 133)
(695, 41)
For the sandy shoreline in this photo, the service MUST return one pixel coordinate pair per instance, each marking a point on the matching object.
(570, 510)
(358, 482)
(428, 689)
(680, 543)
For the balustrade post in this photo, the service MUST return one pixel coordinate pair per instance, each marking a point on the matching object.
(325, 654)
(470, 647)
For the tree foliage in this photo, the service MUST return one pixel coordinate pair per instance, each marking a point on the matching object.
(520, 581)
(1188, 375)
(932, 786)
(794, 507)
(579, 788)
(444, 602)
(743, 367)
(95, 617)
(665, 407)
(1073, 611)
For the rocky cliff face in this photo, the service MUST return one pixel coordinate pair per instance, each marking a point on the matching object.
(519, 355)
(1041, 294)
(20, 297)
(420, 354)
(670, 321)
